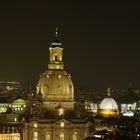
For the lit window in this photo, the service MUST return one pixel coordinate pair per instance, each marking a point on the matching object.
(13, 136)
(2, 109)
(61, 111)
(61, 136)
(59, 76)
(35, 136)
(55, 57)
(48, 137)
(15, 119)
(47, 75)
(74, 137)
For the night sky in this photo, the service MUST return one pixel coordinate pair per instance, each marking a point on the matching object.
(101, 41)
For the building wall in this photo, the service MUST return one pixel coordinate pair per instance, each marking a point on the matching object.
(54, 131)
(53, 105)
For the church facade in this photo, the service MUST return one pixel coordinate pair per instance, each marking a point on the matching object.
(51, 114)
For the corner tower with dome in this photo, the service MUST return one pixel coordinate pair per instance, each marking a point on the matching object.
(55, 83)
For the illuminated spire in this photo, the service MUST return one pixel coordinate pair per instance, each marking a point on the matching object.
(56, 51)
(56, 41)
(109, 91)
(56, 32)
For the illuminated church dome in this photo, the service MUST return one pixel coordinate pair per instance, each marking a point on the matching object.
(55, 84)
(108, 106)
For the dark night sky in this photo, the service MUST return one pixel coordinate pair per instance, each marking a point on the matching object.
(101, 41)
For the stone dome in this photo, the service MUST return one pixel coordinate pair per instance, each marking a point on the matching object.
(108, 104)
(56, 85)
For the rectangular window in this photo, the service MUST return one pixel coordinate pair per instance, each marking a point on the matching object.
(35, 136)
(61, 111)
(61, 136)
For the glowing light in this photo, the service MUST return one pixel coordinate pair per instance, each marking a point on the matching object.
(75, 136)
(61, 111)
(15, 119)
(35, 136)
(108, 112)
(97, 136)
(61, 136)
(35, 125)
(48, 137)
(62, 124)
(108, 103)
(3, 109)
(11, 136)
(129, 114)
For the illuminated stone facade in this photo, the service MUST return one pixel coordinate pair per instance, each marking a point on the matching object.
(17, 106)
(11, 131)
(11, 136)
(48, 130)
(55, 84)
(51, 115)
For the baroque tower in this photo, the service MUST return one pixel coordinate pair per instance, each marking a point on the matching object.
(55, 83)
(56, 51)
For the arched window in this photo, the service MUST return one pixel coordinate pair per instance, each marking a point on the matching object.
(56, 59)
(74, 137)
(48, 137)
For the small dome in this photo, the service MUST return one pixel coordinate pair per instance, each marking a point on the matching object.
(108, 107)
(19, 102)
(129, 114)
(108, 104)
(56, 85)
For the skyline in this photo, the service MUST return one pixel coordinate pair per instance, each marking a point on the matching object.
(101, 42)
